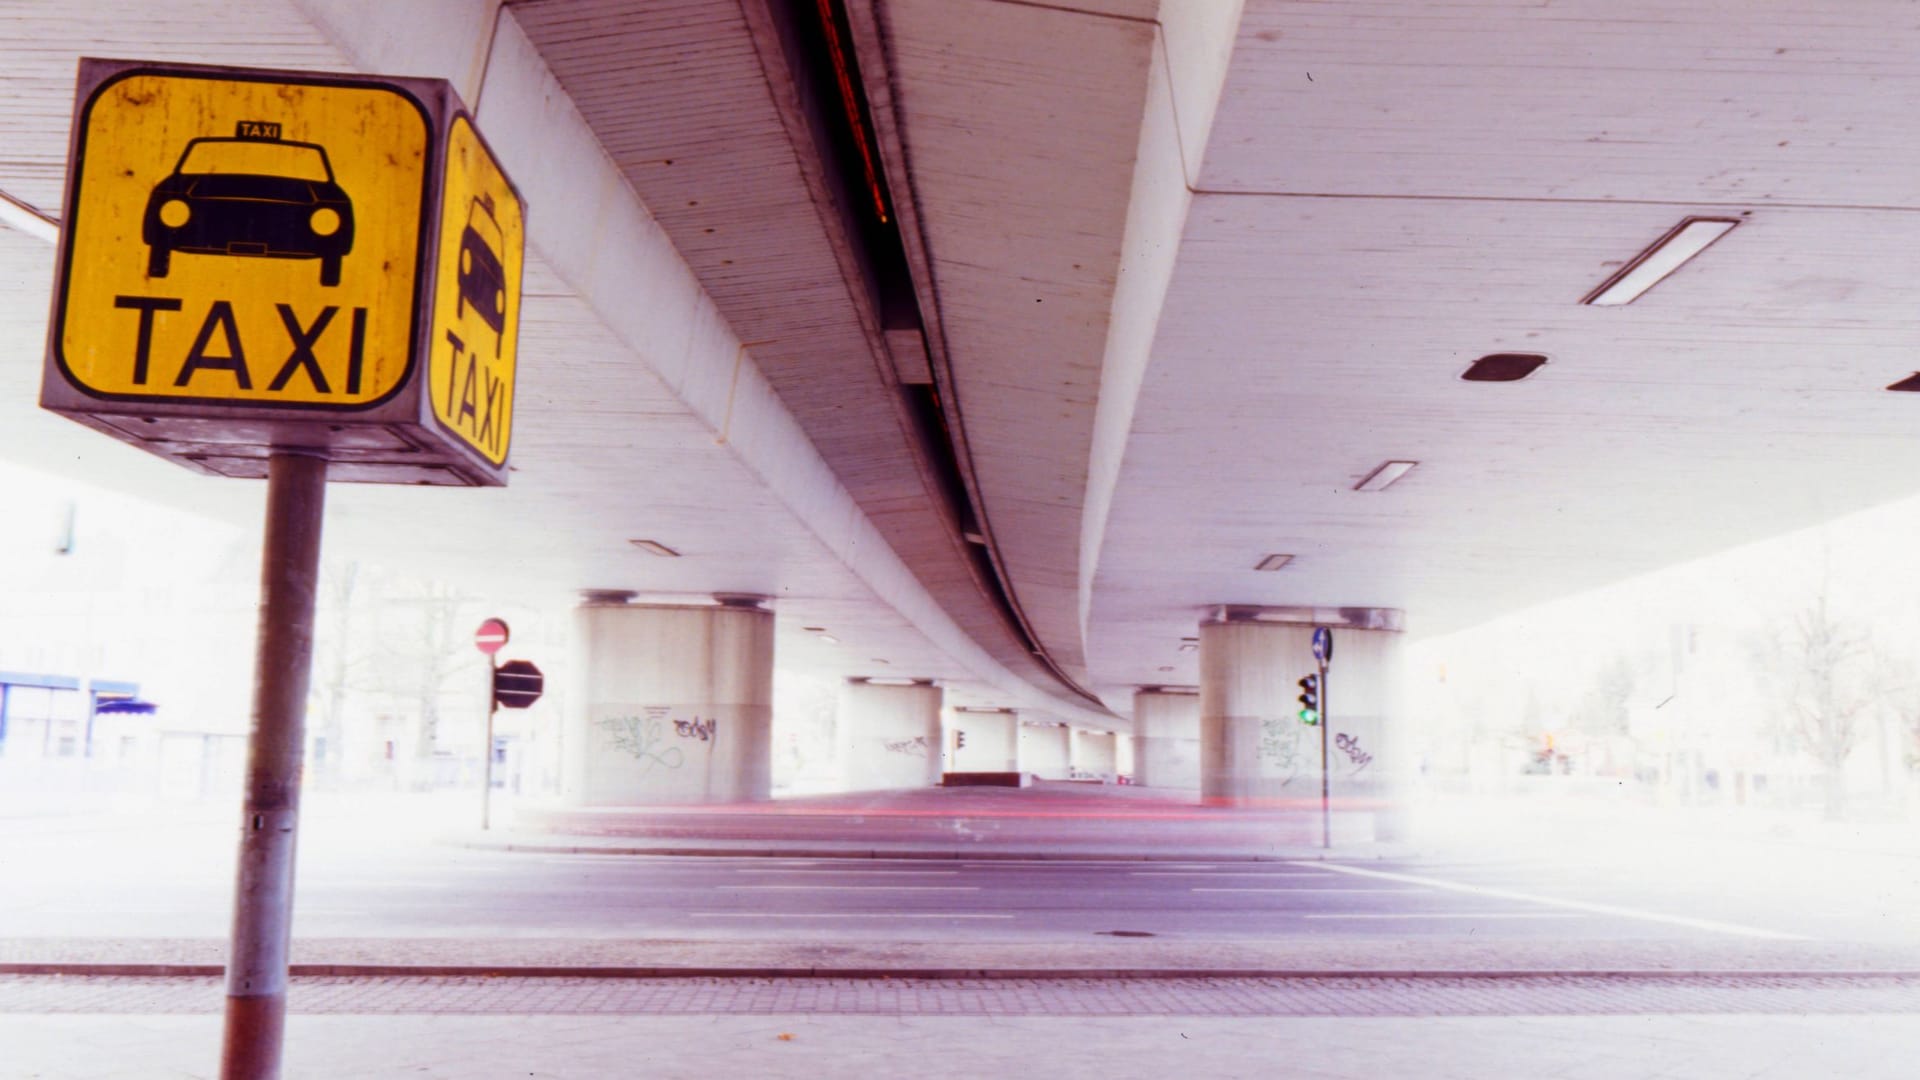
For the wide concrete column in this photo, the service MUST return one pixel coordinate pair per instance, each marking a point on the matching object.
(1095, 753)
(670, 703)
(1046, 749)
(991, 740)
(1166, 738)
(1254, 751)
(890, 735)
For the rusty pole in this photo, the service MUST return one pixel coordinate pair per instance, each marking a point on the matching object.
(263, 879)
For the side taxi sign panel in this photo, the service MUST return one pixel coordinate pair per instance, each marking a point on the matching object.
(257, 260)
(476, 301)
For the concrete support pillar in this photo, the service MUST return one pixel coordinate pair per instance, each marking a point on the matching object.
(890, 735)
(1046, 749)
(1254, 751)
(1166, 738)
(669, 704)
(991, 740)
(1094, 753)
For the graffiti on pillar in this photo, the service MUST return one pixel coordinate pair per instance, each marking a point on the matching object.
(642, 737)
(1350, 744)
(696, 728)
(914, 747)
(1280, 746)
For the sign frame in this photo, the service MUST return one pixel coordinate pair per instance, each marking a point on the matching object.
(395, 438)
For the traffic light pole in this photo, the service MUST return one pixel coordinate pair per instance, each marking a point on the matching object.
(1326, 788)
(486, 782)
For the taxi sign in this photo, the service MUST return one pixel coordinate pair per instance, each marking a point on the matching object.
(476, 304)
(256, 261)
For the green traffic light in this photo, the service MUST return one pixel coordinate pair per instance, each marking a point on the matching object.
(1308, 716)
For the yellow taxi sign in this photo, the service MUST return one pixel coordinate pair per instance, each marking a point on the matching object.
(476, 296)
(244, 240)
(256, 261)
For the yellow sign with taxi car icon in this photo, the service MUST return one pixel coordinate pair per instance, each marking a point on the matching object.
(258, 261)
(476, 302)
(244, 239)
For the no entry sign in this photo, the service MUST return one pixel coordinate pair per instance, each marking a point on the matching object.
(491, 636)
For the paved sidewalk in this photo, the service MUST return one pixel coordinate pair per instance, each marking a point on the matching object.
(1107, 958)
(808, 1046)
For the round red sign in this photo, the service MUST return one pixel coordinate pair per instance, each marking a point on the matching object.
(491, 636)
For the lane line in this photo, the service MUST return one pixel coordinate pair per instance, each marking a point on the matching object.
(839, 915)
(1255, 890)
(849, 873)
(855, 888)
(1457, 915)
(1712, 925)
(1233, 873)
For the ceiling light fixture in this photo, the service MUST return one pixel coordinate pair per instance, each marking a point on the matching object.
(1503, 367)
(1669, 253)
(1383, 477)
(655, 547)
(1273, 562)
(829, 639)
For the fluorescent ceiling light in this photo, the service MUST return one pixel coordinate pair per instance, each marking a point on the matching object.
(1669, 253)
(829, 639)
(655, 547)
(1384, 476)
(1273, 562)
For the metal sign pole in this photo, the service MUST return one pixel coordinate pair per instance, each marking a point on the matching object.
(1326, 802)
(493, 706)
(263, 881)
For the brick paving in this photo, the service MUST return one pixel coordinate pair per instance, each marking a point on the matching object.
(1349, 996)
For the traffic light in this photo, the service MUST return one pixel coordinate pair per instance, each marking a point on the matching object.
(959, 739)
(1310, 699)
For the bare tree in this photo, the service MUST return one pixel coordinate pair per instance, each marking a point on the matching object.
(1827, 677)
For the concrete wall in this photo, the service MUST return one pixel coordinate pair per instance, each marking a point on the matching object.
(890, 736)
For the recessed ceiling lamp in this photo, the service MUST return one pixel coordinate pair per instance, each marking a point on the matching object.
(1669, 253)
(655, 547)
(1909, 384)
(1383, 477)
(1503, 367)
(1273, 562)
(821, 633)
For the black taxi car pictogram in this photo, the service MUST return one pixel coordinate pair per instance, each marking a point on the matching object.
(483, 281)
(251, 196)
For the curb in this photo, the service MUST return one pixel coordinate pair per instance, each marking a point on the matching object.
(559, 971)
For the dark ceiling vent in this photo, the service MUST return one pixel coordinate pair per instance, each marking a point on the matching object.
(1910, 383)
(1504, 367)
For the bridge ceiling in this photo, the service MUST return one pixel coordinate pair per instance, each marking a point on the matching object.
(1390, 189)
(1393, 189)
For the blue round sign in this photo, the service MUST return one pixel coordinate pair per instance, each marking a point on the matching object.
(1322, 645)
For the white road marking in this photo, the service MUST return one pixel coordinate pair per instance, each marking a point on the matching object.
(1225, 888)
(1456, 915)
(849, 873)
(858, 888)
(1233, 873)
(1577, 905)
(839, 915)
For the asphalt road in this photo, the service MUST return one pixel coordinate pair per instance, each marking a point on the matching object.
(171, 878)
